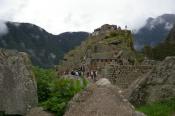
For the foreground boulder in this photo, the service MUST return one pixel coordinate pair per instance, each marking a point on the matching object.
(158, 84)
(101, 99)
(18, 90)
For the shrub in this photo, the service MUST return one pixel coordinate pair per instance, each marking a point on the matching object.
(62, 92)
(160, 51)
(54, 93)
(139, 57)
(44, 79)
(113, 34)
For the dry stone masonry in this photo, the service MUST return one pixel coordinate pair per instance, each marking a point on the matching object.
(158, 84)
(124, 75)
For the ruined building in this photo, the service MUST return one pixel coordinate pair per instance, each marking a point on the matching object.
(108, 50)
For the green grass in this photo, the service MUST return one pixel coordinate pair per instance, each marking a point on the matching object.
(162, 108)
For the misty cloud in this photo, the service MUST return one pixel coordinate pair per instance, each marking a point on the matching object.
(10, 8)
(3, 28)
(58, 16)
(16, 24)
(68, 18)
(168, 26)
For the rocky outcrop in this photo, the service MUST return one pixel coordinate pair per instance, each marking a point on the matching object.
(101, 99)
(18, 90)
(106, 28)
(158, 84)
(107, 44)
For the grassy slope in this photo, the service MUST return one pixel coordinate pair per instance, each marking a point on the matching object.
(161, 108)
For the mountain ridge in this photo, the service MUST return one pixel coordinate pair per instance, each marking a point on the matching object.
(154, 31)
(44, 48)
(164, 49)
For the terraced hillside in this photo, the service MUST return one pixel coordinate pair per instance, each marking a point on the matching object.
(105, 45)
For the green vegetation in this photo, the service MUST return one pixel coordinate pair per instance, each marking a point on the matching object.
(139, 56)
(161, 108)
(55, 92)
(112, 34)
(164, 49)
(160, 51)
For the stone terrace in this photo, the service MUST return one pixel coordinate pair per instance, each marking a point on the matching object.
(124, 75)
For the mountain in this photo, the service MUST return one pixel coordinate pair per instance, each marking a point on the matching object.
(171, 36)
(154, 31)
(164, 49)
(106, 44)
(44, 48)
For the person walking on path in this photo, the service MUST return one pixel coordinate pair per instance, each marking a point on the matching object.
(94, 75)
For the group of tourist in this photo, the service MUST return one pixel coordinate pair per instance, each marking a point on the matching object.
(76, 73)
(92, 75)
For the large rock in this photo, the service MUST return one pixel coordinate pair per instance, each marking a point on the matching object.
(158, 84)
(18, 90)
(100, 99)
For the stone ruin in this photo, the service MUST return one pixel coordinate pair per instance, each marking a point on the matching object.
(157, 85)
(124, 75)
(100, 48)
(106, 28)
(120, 71)
(18, 90)
(118, 64)
(140, 83)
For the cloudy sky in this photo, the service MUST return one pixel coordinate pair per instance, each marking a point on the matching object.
(57, 16)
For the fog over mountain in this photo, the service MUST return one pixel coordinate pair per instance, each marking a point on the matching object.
(58, 16)
(45, 49)
(154, 31)
(3, 28)
(54, 17)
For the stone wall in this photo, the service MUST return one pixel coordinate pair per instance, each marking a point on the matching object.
(157, 85)
(124, 75)
(18, 90)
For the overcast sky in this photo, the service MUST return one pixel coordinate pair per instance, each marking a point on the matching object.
(57, 16)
